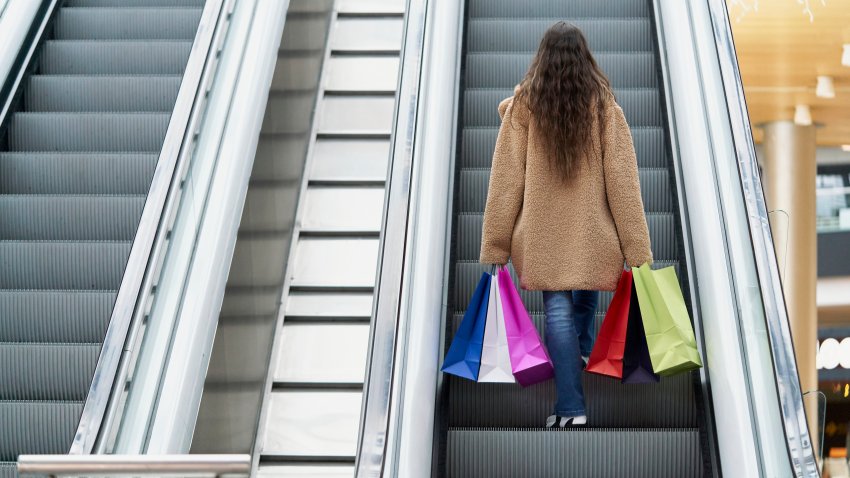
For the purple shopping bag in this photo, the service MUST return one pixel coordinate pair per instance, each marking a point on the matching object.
(530, 361)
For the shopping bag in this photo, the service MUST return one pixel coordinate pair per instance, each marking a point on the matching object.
(669, 334)
(606, 358)
(495, 358)
(530, 362)
(637, 366)
(464, 356)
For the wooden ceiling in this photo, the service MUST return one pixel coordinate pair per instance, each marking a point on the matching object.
(781, 53)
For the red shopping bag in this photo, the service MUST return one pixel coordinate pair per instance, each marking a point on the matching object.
(606, 358)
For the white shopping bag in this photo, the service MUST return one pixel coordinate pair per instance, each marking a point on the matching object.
(495, 359)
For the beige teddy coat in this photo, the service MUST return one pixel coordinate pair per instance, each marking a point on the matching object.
(572, 235)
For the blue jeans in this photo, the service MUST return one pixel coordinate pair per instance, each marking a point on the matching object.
(569, 335)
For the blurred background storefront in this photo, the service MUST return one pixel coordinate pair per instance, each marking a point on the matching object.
(794, 57)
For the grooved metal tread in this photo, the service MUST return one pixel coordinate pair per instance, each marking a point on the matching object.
(81, 152)
(520, 34)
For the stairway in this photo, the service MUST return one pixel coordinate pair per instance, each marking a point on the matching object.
(494, 430)
(81, 152)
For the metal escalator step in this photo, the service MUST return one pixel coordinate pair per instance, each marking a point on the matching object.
(127, 23)
(467, 274)
(8, 469)
(641, 106)
(505, 70)
(654, 186)
(77, 93)
(62, 265)
(573, 9)
(54, 316)
(32, 371)
(37, 427)
(99, 57)
(76, 173)
(76, 218)
(620, 452)
(477, 146)
(114, 132)
(521, 34)
(135, 3)
(661, 225)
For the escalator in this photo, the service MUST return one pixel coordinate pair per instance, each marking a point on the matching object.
(494, 430)
(76, 164)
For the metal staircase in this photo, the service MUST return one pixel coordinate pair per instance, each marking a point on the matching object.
(79, 158)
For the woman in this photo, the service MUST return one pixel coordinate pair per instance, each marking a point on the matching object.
(564, 201)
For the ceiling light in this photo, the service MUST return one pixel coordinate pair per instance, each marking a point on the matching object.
(825, 89)
(845, 147)
(845, 57)
(803, 115)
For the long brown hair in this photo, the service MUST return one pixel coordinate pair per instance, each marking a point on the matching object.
(563, 89)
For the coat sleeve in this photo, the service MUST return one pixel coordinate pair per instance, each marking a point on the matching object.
(507, 185)
(623, 189)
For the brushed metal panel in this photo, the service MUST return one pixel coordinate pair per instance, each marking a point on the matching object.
(297, 73)
(259, 261)
(322, 304)
(350, 160)
(322, 262)
(312, 424)
(377, 73)
(367, 34)
(343, 209)
(356, 115)
(305, 354)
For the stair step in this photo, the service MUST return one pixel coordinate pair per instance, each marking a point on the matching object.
(620, 452)
(505, 70)
(32, 371)
(102, 93)
(523, 34)
(654, 186)
(37, 427)
(558, 9)
(76, 218)
(96, 57)
(642, 107)
(127, 23)
(62, 265)
(76, 173)
(54, 316)
(113, 132)
(477, 146)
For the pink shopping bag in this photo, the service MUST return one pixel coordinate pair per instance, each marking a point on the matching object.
(530, 362)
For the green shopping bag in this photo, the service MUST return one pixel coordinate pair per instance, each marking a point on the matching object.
(669, 333)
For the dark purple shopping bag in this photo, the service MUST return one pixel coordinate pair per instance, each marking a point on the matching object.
(637, 366)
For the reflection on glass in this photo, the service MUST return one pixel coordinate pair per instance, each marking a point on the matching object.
(235, 382)
(833, 202)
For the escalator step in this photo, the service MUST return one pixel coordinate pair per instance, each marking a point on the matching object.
(32, 371)
(609, 402)
(54, 316)
(76, 173)
(624, 453)
(37, 427)
(75, 218)
(88, 132)
(640, 105)
(505, 70)
(94, 57)
(574, 9)
(135, 3)
(662, 235)
(519, 34)
(102, 93)
(467, 274)
(654, 186)
(62, 265)
(127, 23)
(478, 143)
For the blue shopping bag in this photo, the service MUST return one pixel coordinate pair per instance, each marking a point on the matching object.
(464, 356)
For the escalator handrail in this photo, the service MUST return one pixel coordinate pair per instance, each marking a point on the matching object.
(779, 331)
(148, 247)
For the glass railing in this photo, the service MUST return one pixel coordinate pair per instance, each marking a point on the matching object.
(833, 202)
